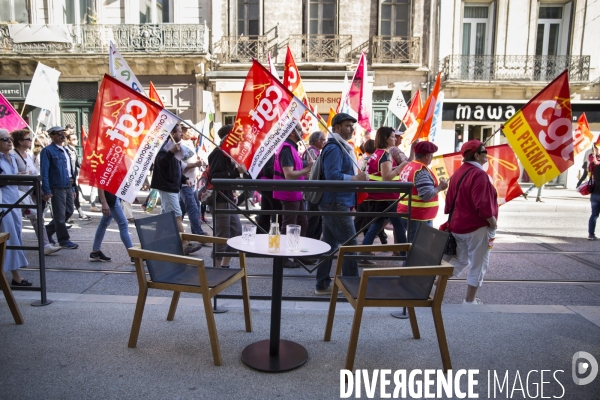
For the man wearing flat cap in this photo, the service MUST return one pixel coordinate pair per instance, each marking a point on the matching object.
(339, 164)
(58, 178)
(474, 217)
(425, 188)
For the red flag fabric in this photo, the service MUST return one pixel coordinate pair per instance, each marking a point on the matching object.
(267, 114)
(425, 117)
(359, 97)
(154, 96)
(84, 137)
(413, 110)
(541, 132)
(126, 132)
(582, 136)
(293, 82)
(503, 170)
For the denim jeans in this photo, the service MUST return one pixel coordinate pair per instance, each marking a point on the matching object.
(595, 199)
(336, 230)
(413, 227)
(116, 212)
(399, 230)
(62, 209)
(315, 225)
(188, 205)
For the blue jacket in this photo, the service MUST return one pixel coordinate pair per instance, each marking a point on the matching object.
(337, 166)
(53, 168)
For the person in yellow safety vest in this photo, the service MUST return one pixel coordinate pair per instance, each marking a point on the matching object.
(382, 167)
(425, 190)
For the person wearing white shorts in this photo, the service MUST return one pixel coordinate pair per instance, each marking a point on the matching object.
(474, 217)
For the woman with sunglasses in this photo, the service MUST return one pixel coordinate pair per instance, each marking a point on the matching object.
(22, 142)
(12, 221)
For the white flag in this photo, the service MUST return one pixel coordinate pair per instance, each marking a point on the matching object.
(119, 69)
(43, 91)
(397, 103)
(436, 124)
(272, 68)
(45, 118)
(343, 106)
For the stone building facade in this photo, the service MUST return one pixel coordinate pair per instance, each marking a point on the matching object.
(163, 41)
(496, 55)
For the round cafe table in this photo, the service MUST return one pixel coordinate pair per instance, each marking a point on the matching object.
(274, 354)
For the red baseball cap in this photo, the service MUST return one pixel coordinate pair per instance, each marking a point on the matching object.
(470, 147)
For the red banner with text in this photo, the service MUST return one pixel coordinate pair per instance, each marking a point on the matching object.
(267, 114)
(541, 133)
(126, 132)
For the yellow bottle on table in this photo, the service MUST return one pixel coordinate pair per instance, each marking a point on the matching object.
(274, 238)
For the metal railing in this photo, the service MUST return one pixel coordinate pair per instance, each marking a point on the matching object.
(92, 38)
(241, 49)
(321, 48)
(514, 68)
(35, 181)
(395, 50)
(403, 190)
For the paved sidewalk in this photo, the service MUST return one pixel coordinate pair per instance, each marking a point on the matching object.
(76, 348)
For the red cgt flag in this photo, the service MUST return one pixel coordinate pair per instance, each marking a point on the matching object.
(541, 132)
(267, 114)
(425, 117)
(126, 132)
(503, 170)
(582, 137)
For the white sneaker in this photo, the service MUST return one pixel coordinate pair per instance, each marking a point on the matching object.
(49, 249)
(476, 302)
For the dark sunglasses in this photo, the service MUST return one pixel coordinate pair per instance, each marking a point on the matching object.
(27, 138)
(6, 139)
(482, 152)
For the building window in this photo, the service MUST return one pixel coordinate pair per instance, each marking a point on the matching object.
(394, 18)
(475, 34)
(322, 17)
(548, 31)
(14, 11)
(79, 12)
(248, 18)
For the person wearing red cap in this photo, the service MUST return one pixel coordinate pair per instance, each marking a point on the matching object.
(474, 216)
(425, 190)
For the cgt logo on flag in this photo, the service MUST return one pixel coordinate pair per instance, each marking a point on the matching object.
(582, 367)
(126, 132)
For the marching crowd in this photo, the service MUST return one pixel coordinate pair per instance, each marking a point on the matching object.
(471, 197)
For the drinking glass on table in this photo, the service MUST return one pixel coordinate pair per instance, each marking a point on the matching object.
(293, 237)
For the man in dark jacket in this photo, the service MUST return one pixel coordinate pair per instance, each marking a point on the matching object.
(167, 178)
(225, 225)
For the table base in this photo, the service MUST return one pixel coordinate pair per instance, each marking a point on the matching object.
(291, 355)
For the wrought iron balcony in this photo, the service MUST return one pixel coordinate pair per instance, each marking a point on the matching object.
(321, 48)
(93, 38)
(395, 50)
(241, 49)
(515, 68)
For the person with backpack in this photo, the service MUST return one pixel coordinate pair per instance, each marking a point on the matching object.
(316, 142)
(338, 164)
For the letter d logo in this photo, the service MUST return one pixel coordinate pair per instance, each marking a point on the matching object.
(581, 367)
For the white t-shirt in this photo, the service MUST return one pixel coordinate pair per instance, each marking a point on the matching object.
(67, 159)
(190, 157)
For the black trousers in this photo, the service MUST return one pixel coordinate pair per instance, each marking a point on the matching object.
(267, 202)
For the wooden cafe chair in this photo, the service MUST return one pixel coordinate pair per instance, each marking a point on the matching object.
(170, 269)
(408, 286)
(8, 295)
